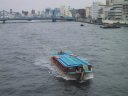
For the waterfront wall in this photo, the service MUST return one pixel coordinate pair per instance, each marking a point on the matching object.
(89, 20)
(115, 21)
(99, 21)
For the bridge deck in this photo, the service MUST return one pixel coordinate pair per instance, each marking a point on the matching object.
(67, 19)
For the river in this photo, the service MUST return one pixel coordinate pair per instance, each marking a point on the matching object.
(25, 68)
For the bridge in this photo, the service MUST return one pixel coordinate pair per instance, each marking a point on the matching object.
(7, 16)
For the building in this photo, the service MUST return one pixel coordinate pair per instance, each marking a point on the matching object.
(65, 12)
(88, 12)
(14, 14)
(39, 13)
(42, 13)
(115, 12)
(82, 13)
(11, 11)
(33, 12)
(25, 13)
(56, 12)
(119, 10)
(106, 10)
(125, 11)
(119, 1)
(118, 13)
(74, 12)
(48, 12)
(109, 2)
(95, 10)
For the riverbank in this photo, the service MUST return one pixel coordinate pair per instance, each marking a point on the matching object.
(101, 22)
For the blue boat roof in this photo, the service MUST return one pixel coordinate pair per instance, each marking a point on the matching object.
(69, 60)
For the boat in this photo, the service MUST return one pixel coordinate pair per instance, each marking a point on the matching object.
(110, 26)
(73, 66)
(81, 24)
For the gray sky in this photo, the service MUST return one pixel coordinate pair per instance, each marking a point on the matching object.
(18, 5)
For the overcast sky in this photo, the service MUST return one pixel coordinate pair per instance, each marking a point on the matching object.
(18, 5)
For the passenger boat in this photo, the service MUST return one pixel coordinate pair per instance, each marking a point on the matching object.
(73, 66)
(109, 26)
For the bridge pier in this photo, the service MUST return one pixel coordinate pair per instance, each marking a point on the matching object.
(53, 20)
(3, 21)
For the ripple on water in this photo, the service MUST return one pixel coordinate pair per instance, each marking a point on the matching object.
(25, 68)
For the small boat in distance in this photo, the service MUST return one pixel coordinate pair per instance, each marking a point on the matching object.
(82, 25)
(72, 66)
(105, 26)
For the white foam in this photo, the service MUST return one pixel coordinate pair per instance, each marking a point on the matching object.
(46, 63)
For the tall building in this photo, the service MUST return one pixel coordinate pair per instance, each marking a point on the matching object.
(125, 10)
(82, 13)
(57, 12)
(48, 12)
(65, 12)
(119, 10)
(115, 12)
(74, 12)
(109, 2)
(25, 13)
(88, 12)
(119, 1)
(95, 10)
(33, 12)
(11, 11)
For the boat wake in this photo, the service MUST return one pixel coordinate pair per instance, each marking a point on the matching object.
(47, 64)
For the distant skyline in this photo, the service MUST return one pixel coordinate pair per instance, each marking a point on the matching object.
(18, 5)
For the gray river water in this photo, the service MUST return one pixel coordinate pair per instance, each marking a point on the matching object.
(25, 68)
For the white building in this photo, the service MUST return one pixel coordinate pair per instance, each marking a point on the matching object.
(88, 12)
(109, 2)
(125, 11)
(95, 10)
(119, 11)
(65, 12)
(115, 12)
